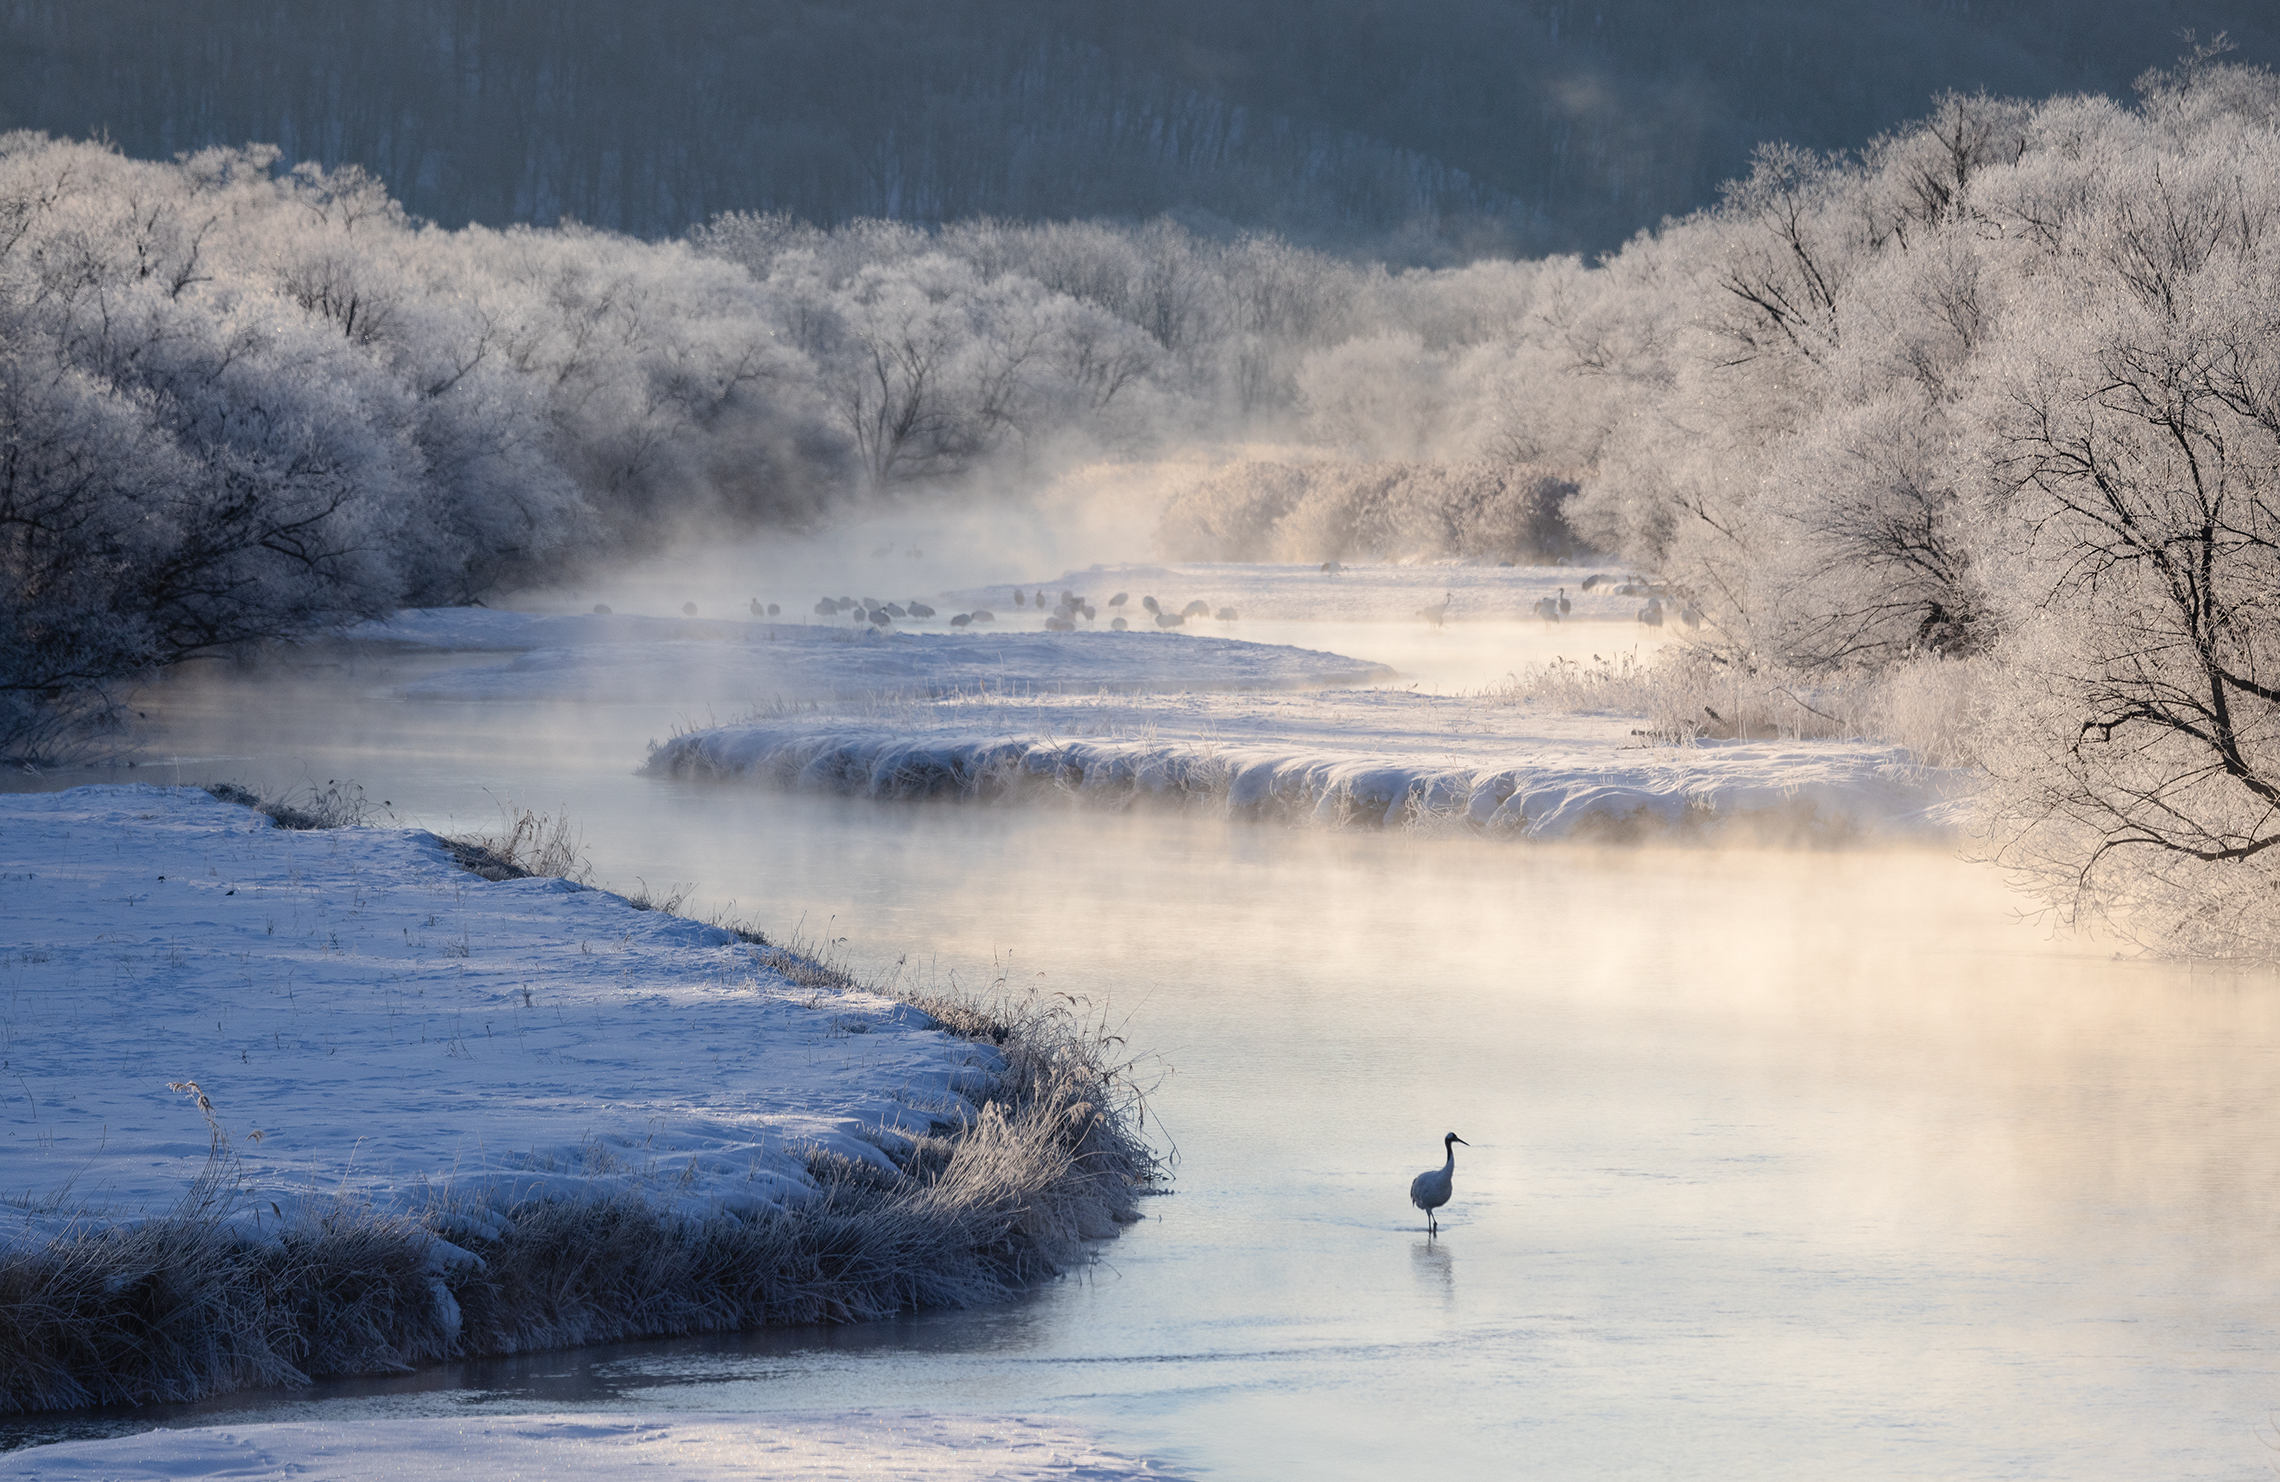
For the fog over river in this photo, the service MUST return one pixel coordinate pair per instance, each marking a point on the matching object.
(1782, 1163)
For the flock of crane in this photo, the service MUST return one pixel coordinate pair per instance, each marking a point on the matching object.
(872, 611)
(1074, 605)
(1558, 609)
(1062, 618)
(1656, 610)
(1061, 615)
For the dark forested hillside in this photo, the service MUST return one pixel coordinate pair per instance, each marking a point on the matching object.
(1425, 128)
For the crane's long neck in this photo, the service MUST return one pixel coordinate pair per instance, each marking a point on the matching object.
(1451, 1165)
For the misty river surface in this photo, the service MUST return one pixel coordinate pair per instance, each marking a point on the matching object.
(1782, 1163)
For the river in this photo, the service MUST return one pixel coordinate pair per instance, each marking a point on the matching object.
(1781, 1163)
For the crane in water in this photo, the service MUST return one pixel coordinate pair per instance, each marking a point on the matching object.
(1431, 1189)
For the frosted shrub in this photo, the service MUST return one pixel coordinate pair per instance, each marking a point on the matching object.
(1932, 705)
(1257, 511)
(1683, 694)
(1233, 515)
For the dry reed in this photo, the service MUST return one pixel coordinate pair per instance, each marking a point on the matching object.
(527, 844)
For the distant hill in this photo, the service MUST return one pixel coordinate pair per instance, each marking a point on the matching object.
(1430, 129)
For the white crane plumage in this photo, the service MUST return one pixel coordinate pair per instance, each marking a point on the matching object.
(1431, 1189)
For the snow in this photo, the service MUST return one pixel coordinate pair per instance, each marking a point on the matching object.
(1375, 592)
(598, 1446)
(392, 1025)
(1372, 757)
(625, 658)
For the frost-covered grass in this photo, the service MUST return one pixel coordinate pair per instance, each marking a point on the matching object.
(335, 804)
(1684, 694)
(437, 1116)
(527, 844)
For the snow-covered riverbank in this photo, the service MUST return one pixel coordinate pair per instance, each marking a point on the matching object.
(597, 1448)
(392, 1025)
(228, 1044)
(1372, 758)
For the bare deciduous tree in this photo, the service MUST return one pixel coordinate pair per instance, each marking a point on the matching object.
(2139, 773)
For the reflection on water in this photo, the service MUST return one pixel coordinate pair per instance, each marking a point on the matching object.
(1435, 1268)
(1782, 1164)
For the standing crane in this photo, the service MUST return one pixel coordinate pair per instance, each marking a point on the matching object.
(1431, 1189)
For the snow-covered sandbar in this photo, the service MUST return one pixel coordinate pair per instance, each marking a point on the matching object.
(1353, 757)
(247, 1066)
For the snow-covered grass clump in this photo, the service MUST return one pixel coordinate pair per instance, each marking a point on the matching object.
(306, 1102)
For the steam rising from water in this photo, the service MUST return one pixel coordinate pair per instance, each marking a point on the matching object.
(921, 547)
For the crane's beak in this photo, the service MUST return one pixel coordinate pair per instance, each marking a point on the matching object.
(1467, 1144)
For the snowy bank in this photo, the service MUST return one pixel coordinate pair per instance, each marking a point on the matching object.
(248, 1066)
(1371, 758)
(597, 1448)
(625, 658)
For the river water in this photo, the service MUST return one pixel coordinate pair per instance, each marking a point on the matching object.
(1782, 1164)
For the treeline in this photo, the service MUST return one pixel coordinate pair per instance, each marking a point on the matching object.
(1438, 130)
(237, 405)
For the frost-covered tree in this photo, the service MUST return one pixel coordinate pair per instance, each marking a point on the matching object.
(2002, 383)
(239, 405)
(2138, 759)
